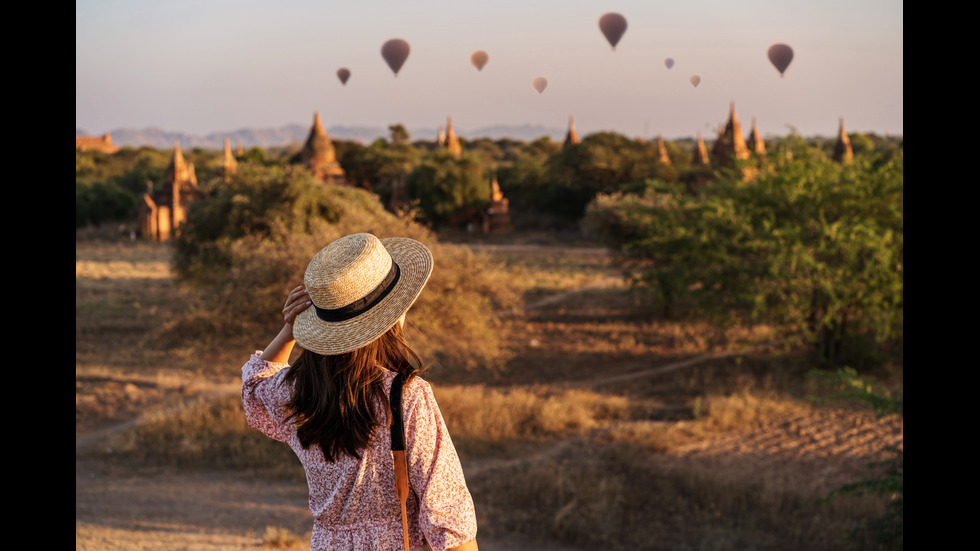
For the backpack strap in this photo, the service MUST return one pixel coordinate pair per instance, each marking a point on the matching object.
(398, 452)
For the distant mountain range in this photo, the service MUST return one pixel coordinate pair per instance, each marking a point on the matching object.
(297, 133)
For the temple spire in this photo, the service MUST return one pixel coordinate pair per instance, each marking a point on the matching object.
(662, 155)
(571, 137)
(452, 142)
(730, 145)
(756, 144)
(842, 149)
(700, 157)
(230, 164)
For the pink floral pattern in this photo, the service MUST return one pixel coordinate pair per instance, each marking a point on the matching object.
(353, 501)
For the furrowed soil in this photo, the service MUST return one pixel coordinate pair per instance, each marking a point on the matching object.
(580, 329)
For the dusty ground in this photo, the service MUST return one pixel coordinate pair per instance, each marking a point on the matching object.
(118, 508)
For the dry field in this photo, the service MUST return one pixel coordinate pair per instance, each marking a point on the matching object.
(608, 428)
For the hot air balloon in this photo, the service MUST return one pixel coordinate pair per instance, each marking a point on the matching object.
(343, 74)
(395, 52)
(479, 59)
(669, 62)
(540, 84)
(695, 80)
(780, 55)
(612, 26)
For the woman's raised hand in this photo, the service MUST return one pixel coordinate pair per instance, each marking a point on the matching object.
(297, 301)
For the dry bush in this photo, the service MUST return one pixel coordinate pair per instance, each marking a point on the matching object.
(210, 435)
(502, 414)
(621, 497)
(277, 537)
(717, 414)
(452, 324)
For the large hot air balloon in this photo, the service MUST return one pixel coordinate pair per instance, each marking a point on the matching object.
(479, 59)
(540, 84)
(612, 26)
(395, 52)
(343, 74)
(780, 55)
(669, 62)
(695, 80)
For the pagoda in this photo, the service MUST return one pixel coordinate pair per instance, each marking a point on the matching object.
(498, 214)
(571, 137)
(229, 164)
(452, 142)
(96, 143)
(662, 156)
(756, 144)
(730, 145)
(842, 149)
(161, 214)
(700, 157)
(319, 156)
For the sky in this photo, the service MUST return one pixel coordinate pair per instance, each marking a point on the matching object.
(208, 66)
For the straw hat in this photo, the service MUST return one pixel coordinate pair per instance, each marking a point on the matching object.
(359, 285)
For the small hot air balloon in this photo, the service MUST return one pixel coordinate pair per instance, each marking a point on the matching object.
(395, 52)
(479, 59)
(695, 80)
(540, 84)
(780, 55)
(669, 62)
(343, 74)
(612, 26)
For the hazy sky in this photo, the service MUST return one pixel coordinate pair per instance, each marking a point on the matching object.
(207, 66)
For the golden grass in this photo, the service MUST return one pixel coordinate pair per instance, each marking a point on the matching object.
(277, 537)
(502, 414)
(622, 497)
(589, 465)
(204, 435)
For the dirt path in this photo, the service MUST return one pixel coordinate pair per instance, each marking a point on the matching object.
(129, 509)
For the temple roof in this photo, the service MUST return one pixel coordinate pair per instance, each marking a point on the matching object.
(700, 152)
(730, 145)
(318, 153)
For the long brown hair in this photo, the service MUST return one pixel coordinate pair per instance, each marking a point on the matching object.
(334, 399)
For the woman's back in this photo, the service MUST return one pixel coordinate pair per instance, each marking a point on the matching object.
(353, 500)
(331, 406)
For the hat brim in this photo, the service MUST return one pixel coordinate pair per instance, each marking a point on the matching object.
(414, 261)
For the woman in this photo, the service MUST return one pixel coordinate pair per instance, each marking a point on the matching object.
(331, 405)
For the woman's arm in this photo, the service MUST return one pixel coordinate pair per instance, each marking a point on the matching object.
(282, 345)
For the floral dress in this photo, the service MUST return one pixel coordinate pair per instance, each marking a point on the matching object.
(353, 501)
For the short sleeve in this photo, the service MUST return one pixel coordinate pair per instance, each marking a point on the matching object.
(447, 516)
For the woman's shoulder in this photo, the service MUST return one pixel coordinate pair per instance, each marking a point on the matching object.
(414, 388)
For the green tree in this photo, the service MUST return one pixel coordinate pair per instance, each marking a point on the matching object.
(444, 184)
(380, 165)
(812, 244)
(101, 202)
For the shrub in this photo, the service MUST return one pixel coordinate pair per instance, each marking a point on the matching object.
(246, 246)
(812, 244)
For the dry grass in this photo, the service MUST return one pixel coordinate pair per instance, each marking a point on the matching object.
(277, 537)
(622, 497)
(202, 435)
(498, 415)
(555, 452)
